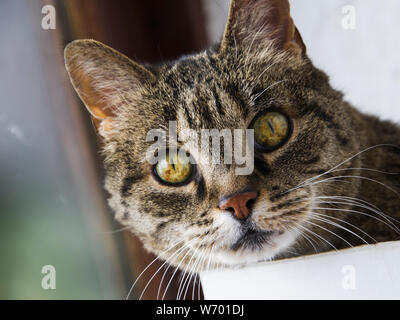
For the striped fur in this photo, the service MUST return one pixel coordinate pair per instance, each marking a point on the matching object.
(254, 68)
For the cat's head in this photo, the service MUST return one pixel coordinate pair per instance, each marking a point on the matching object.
(259, 77)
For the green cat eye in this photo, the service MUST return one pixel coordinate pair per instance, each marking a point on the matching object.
(174, 169)
(271, 130)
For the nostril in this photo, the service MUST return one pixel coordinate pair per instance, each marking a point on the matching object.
(230, 209)
(228, 206)
(250, 203)
(240, 204)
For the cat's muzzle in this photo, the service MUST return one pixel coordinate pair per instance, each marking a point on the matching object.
(253, 239)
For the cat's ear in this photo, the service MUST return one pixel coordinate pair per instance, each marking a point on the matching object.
(102, 78)
(252, 23)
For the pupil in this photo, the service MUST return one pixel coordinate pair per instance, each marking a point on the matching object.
(173, 169)
(271, 129)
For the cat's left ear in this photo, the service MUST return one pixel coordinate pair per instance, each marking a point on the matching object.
(103, 78)
(253, 24)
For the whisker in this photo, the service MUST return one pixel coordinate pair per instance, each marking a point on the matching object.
(362, 178)
(300, 186)
(351, 158)
(116, 231)
(207, 268)
(303, 234)
(368, 169)
(331, 232)
(353, 204)
(148, 266)
(328, 221)
(269, 67)
(184, 277)
(316, 235)
(193, 273)
(357, 200)
(177, 267)
(162, 280)
(187, 272)
(269, 87)
(175, 271)
(202, 258)
(345, 222)
(362, 213)
(309, 180)
(158, 270)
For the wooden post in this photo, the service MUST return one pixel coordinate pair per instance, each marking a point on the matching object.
(146, 31)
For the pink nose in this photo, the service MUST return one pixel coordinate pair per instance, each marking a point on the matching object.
(239, 204)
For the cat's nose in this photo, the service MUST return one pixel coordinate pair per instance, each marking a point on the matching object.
(240, 204)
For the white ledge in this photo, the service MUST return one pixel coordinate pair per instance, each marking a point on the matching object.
(365, 272)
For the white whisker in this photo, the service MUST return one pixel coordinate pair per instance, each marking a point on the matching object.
(331, 232)
(187, 272)
(328, 221)
(148, 266)
(316, 235)
(345, 222)
(359, 177)
(351, 158)
(353, 204)
(173, 275)
(269, 87)
(362, 213)
(158, 270)
(368, 169)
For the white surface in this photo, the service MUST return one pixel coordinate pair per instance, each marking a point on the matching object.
(367, 272)
(363, 62)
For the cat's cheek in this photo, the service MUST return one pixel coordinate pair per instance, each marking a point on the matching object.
(264, 222)
(130, 217)
(283, 242)
(122, 213)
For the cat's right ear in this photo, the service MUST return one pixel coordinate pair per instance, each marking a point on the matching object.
(103, 78)
(258, 24)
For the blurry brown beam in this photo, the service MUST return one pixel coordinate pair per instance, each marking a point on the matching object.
(147, 31)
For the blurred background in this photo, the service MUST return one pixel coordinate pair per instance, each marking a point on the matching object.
(53, 209)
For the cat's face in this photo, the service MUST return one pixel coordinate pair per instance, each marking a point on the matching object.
(206, 213)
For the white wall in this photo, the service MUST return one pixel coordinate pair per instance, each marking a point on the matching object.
(363, 62)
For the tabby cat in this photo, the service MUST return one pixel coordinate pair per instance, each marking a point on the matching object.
(325, 175)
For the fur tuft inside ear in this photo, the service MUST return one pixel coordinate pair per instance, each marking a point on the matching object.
(103, 78)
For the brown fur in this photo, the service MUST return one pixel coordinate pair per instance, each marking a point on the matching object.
(260, 63)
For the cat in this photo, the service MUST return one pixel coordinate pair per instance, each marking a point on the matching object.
(325, 177)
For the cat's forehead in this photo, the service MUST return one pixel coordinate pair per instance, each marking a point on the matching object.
(211, 106)
(205, 94)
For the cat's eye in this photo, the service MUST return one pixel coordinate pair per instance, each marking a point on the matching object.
(174, 169)
(271, 130)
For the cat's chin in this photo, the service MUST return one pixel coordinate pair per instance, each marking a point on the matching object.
(242, 253)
